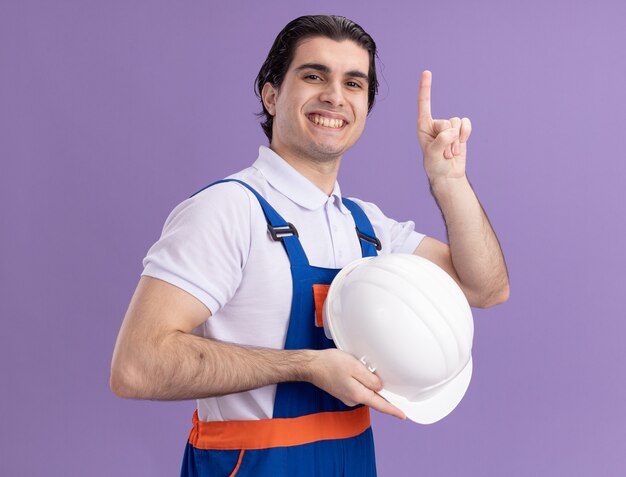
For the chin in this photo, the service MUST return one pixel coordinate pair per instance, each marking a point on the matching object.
(327, 152)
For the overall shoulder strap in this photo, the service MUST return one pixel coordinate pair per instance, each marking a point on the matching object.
(279, 228)
(364, 230)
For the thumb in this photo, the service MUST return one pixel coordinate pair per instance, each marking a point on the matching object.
(443, 139)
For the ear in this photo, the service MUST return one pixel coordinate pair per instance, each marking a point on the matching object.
(269, 95)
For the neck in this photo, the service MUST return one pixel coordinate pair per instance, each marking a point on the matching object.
(321, 172)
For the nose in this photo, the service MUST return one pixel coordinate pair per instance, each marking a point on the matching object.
(332, 94)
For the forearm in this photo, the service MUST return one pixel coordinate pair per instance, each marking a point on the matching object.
(185, 366)
(156, 357)
(474, 248)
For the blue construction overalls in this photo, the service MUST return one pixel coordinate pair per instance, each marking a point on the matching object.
(311, 433)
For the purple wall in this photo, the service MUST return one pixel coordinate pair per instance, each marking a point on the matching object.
(113, 112)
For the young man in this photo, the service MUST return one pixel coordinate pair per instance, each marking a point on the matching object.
(224, 312)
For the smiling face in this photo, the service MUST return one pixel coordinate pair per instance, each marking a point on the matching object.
(320, 109)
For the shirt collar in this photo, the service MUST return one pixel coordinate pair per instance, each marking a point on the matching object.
(293, 185)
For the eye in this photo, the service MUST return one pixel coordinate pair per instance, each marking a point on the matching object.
(353, 84)
(313, 77)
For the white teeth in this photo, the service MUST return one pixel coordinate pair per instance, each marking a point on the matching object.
(326, 122)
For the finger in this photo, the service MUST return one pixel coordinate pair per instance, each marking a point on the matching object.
(443, 142)
(369, 385)
(375, 401)
(423, 97)
(462, 149)
(367, 378)
(447, 152)
(466, 130)
(456, 124)
(441, 125)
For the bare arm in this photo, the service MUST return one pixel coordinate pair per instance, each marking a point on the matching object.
(474, 257)
(156, 357)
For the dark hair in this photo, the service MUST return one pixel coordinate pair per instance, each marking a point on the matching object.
(281, 54)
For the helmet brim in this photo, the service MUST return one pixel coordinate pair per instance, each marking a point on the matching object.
(436, 407)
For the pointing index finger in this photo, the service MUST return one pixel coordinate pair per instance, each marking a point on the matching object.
(423, 96)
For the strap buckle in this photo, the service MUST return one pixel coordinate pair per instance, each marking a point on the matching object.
(372, 240)
(282, 231)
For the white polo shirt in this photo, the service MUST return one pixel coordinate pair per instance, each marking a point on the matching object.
(216, 247)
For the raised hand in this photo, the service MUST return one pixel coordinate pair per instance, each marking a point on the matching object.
(443, 141)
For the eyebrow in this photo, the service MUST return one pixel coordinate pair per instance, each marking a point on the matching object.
(325, 69)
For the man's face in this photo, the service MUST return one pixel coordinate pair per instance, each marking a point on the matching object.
(320, 110)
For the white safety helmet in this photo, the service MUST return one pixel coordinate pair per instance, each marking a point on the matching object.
(407, 320)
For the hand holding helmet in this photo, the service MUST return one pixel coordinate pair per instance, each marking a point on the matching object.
(340, 374)
(408, 321)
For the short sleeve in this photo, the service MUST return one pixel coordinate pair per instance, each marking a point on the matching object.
(205, 244)
(395, 237)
